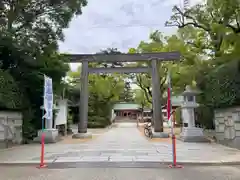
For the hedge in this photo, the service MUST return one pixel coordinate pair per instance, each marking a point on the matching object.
(220, 89)
(98, 122)
(222, 86)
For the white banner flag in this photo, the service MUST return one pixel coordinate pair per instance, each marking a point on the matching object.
(48, 98)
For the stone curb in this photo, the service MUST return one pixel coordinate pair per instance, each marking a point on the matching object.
(66, 163)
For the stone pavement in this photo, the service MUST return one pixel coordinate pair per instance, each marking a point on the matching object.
(123, 143)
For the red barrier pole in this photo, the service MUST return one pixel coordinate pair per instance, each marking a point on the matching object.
(174, 165)
(174, 151)
(174, 143)
(42, 164)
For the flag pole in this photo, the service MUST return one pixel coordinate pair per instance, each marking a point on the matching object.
(171, 118)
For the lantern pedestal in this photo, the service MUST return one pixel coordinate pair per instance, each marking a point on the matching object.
(193, 134)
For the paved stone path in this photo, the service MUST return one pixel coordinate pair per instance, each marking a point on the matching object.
(123, 143)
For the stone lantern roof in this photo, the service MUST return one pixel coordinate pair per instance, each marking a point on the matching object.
(189, 91)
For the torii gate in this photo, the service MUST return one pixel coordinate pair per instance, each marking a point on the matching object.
(154, 58)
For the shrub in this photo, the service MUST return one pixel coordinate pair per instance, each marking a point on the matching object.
(204, 117)
(98, 122)
(222, 86)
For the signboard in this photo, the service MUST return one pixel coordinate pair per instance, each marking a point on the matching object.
(48, 98)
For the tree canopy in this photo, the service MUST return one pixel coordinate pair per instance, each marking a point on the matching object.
(29, 31)
(212, 31)
(208, 38)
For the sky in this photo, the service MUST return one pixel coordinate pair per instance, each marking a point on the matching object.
(117, 24)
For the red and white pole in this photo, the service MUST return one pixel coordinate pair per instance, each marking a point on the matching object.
(42, 164)
(171, 118)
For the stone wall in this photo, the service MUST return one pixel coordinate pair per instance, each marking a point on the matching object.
(10, 128)
(227, 126)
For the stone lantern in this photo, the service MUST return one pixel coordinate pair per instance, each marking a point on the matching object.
(190, 133)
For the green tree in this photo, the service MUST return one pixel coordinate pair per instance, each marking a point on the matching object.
(29, 32)
(127, 93)
(212, 30)
(218, 24)
(104, 91)
(140, 98)
(144, 80)
(28, 80)
(10, 95)
(180, 71)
